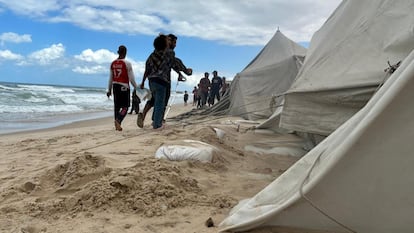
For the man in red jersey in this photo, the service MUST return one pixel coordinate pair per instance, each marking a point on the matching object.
(120, 75)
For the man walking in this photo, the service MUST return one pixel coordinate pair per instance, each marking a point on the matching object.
(216, 84)
(121, 74)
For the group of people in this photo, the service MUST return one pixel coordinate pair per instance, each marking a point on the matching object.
(206, 92)
(158, 73)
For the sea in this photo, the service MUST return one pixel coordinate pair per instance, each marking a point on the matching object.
(25, 107)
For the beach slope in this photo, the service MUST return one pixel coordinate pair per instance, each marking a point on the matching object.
(87, 177)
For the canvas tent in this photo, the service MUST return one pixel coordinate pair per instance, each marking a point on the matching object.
(359, 179)
(345, 63)
(270, 73)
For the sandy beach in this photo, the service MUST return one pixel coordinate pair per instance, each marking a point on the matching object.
(87, 177)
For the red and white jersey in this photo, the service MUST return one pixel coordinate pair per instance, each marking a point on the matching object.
(121, 73)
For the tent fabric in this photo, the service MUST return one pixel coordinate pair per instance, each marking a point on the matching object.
(359, 179)
(345, 63)
(270, 73)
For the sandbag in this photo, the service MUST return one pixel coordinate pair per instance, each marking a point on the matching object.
(186, 150)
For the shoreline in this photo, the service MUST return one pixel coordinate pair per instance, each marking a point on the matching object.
(82, 123)
(77, 120)
(58, 121)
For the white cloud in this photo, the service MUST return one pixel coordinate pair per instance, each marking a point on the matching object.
(97, 69)
(8, 55)
(14, 38)
(139, 68)
(233, 22)
(99, 56)
(47, 55)
(31, 7)
(96, 59)
(113, 20)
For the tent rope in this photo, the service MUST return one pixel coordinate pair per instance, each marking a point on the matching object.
(302, 194)
(108, 143)
(176, 124)
(195, 121)
(224, 111)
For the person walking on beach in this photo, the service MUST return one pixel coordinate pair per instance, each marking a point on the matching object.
(120, 75)
(204, 87)
(158, 70)
(195, 96)
(177, 66)
(185, 98)
(198, 96)
(216, 84)
(135, 102)
(223, 86)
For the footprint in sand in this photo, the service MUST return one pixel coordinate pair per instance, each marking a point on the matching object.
(28, 187)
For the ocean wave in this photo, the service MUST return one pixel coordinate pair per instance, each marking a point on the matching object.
(44, 88)
(33, 102)
(40, 108)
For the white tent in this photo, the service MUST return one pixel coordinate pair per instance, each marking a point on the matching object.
(270, 73)
(345, 63)
(359, 179)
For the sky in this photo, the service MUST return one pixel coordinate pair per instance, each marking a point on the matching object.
(72, 43)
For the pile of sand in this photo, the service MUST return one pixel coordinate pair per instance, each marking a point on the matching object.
(150, 188)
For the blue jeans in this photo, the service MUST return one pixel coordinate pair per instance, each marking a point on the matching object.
(214, 93)
(158, 92)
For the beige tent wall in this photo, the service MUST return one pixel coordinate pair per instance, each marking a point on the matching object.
(345, 63)
(255, 88)
(359, 179)
(270, 73)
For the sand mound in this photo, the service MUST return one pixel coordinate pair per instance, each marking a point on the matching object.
(80, 170)
(150, 188)
(205, 134)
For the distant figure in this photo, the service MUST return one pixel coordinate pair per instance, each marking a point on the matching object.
(121, 74)
(210, 101)
(204, 87)
(185, 98)
(195, 96)
(199, 96)
(135, 103)
(216, 84)
(223, 86)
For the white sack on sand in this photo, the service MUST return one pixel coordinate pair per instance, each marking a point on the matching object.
(186, 150)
